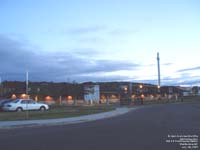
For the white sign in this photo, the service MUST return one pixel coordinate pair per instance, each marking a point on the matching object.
(91, 93)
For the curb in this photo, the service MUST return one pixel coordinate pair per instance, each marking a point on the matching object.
(63, 121)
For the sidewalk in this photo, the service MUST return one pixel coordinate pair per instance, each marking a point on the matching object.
(62, 121)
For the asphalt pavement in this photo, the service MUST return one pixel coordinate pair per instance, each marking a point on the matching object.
(155, 127)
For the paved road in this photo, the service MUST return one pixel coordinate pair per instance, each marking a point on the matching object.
(146, 128)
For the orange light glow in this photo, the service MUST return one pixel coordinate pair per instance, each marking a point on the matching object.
(13, 96)
(103, 97)
(36, 98)
(133, 96)
(69, 98)
(23, 96)
(113, 96)
(48, 98)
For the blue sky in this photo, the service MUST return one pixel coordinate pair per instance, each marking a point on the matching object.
(100, 40)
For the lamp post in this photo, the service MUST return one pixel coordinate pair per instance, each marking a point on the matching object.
(158, 63)
(27, 113)
(27, 83)
(158, 87)
(1, 88)
(38, 90)
(141, 94)
(124, 92)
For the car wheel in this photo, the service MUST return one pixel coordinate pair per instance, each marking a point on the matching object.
(19, 109)
(42, 108)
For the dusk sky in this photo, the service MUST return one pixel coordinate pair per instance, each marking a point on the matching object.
(100, 40)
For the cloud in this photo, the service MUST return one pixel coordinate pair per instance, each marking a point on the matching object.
(81, 64)
(83, 52)
(86, 30)
(13, 53)
(108, 31)
(109, 66)
(163, 64)
(122, 32)
(16, 58)
(167, 64)
(95, 34)
(93, 39)
(181, 79)
(85, 78)
(190, 83)
(189, 69)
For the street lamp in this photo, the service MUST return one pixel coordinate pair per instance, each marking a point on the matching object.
(26, 82)
(125, 89)
(141, 94)
(1, 88)
(158, 87)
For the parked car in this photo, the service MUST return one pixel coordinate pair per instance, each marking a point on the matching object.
(4, 101)
(24, 104)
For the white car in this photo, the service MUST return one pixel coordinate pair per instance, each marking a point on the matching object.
(24, 104)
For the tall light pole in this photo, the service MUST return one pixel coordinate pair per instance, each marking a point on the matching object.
(27, 83)
(158, 62)
(1, 87)
(27, 113)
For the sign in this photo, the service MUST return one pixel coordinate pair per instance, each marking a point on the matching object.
(92, 93)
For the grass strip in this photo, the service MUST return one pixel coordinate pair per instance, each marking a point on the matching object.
(54, 112)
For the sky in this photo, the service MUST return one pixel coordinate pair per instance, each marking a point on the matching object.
(100, 40)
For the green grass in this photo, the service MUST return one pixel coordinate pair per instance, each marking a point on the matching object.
(72, 111)
(188, 99)
(191, 99)
(54, 112)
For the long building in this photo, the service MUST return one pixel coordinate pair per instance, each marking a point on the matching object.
(68, 91)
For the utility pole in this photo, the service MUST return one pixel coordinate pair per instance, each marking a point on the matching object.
(158, 62)
(27, 112)
(27, 83)
(1, 88)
